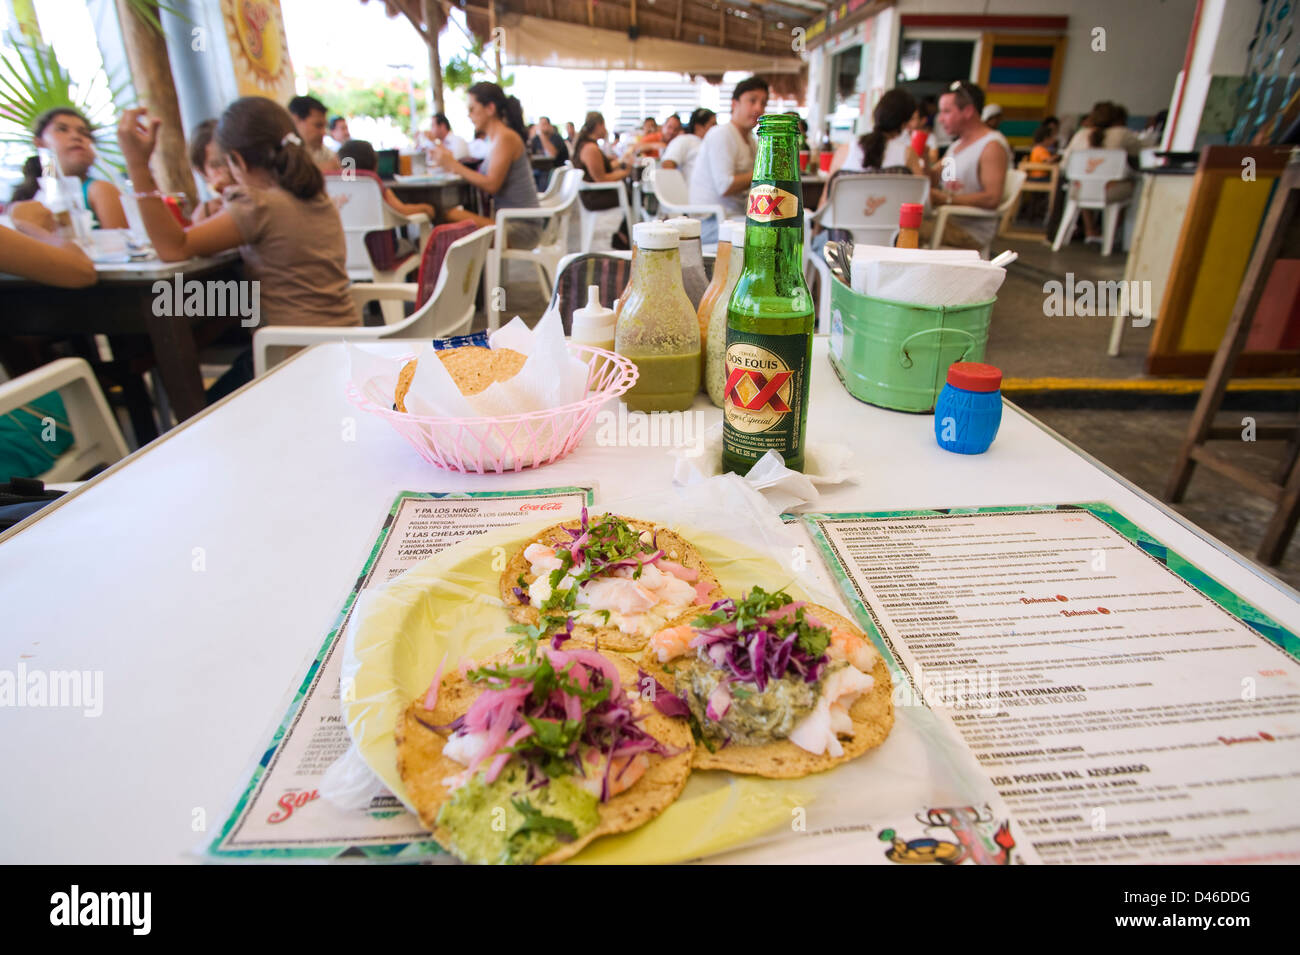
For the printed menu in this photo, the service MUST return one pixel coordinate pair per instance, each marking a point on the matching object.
(1127, 707)
(280, 813)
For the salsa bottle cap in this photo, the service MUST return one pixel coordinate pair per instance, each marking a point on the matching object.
(654, 235)
(687, 228)
(974, 376)
(909, 215)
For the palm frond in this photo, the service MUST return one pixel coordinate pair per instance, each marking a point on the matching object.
(147, 10)
(32, 81)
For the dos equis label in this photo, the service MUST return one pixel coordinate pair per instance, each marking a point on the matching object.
(775, 202)
(762, 393)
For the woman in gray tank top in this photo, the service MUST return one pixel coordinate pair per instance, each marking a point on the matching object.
(506, 174)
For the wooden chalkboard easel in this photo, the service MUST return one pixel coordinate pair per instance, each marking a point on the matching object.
(1283, 488)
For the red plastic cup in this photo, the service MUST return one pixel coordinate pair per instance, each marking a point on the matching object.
(918, 142)
(803, 160)
(824, 161)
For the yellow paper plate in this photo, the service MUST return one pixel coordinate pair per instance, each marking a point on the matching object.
(449, 605)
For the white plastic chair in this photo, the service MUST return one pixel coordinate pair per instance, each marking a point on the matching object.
(98, 440)
(553, 186)
(1091, 173)
(448, 311)
(1010, 191)
(589, 216)
(545, 256)
(867, 204)
(360, 201)
(670, 188)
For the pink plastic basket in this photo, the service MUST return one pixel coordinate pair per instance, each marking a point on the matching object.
(511, 442)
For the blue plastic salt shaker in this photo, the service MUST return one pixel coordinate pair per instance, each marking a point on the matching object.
(969, 409)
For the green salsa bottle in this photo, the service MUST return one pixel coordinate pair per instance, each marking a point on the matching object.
(770, 314)
(657, 327)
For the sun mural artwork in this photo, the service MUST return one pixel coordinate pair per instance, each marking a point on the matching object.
(258, 48)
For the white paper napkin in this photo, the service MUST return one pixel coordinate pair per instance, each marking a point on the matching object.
(930, 277)
(825, 463)
(551, 376)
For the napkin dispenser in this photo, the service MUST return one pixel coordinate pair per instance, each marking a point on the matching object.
(895, 354)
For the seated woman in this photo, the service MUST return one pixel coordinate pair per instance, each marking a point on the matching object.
(277, 215)
(208, 162)
(506, 173)
(597, 167)
(886, 148)
(67, 135)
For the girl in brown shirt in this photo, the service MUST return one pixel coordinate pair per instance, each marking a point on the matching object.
(277, 214)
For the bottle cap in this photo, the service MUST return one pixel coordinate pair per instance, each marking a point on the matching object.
(687, 228)
(974, 376)
(654, 235)
(736, 230)
(909, 215)
(593, 313)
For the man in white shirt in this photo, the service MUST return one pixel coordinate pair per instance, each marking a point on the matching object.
(442, 134)
(685, 146)
(973, 171)
(724, 165)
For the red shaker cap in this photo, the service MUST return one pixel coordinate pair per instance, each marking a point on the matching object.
(909, 215)
(974, 376)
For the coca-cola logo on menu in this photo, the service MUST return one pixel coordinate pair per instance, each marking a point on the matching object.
(541, 506)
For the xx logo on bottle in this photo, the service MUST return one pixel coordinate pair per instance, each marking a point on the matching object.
(769, 203)
(756, 395)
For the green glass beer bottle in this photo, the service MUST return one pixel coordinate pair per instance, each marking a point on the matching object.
(770, 315)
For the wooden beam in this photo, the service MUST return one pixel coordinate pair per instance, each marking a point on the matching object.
(591, 14)
(435, 63)
(680, 4)
(722, 24)
(550, 9)
(632, 13)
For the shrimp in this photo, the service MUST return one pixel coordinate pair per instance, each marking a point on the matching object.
(849, 646)
(672, 642)
(623, 774)
(541, 558)
(619, 594)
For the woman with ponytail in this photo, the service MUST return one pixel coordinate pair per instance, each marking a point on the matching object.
(885, 147)
(276, 214)
(507, 173)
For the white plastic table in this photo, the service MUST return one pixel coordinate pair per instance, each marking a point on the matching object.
(265, 493)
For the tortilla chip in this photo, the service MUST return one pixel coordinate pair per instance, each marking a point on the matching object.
(404, 385)
(423, 767)
(609, 637)
(472, 367)
(872, 715)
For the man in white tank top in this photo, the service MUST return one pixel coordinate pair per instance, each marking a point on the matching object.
(973, 171)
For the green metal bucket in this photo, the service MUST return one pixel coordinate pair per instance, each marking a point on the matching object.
(896, 355)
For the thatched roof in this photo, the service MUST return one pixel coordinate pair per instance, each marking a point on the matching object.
(702, 37)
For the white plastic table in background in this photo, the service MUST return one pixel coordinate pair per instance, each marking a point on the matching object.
(202, 573)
